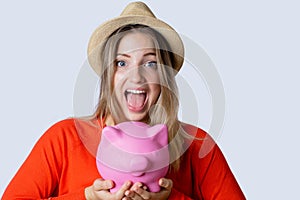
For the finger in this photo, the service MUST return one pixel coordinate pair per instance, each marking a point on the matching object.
(166, 183)
(145, 187)
(129, 193)
(121, 192)
(132, 194)
(136, 185)
(127, 198)
(140, 192)
(100, 184)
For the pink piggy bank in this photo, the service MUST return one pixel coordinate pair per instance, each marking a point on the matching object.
(133, 151)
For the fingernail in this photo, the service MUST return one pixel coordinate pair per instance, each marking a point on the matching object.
(162, 182)
(128, 183)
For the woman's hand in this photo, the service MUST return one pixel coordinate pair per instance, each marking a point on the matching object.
(137, 192)
(100, 190)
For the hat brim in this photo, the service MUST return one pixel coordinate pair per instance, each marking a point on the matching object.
(101, 34)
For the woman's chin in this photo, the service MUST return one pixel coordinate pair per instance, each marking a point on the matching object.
(136, 116)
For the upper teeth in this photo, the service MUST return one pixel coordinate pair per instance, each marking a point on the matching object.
(136, 91)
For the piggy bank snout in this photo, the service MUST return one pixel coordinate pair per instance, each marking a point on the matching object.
(138, 165)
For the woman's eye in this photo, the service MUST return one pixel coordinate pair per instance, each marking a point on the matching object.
(151, 64)
(120, 63)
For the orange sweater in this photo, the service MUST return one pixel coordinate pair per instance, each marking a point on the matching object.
(62, 164)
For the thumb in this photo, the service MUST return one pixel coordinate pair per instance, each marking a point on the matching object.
(100, 184)
(166, 183)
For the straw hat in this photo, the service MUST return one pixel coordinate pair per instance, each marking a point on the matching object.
(134, 13)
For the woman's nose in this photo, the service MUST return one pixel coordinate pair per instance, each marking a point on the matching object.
(136, 74)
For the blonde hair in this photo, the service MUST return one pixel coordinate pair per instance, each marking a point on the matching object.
(166, 108)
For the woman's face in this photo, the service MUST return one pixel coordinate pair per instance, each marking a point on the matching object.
(136, 80)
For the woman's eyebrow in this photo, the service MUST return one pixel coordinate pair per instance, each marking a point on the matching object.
(146, 54)
(123, 54)
(150, 54)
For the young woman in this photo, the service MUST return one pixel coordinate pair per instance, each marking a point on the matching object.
(137, 57)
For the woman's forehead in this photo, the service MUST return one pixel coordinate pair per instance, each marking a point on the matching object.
(135, 41)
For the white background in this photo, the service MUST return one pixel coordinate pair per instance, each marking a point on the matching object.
(254, 45)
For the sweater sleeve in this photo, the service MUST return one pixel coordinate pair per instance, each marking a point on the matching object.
(217, 181)
(176, 195)
(39, 175)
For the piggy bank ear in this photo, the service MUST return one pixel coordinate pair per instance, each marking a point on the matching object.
(112, 133)
(159, 133)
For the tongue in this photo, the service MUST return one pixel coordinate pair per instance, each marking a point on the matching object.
(136, 100)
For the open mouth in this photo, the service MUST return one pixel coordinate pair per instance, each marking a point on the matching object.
(136, 99)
